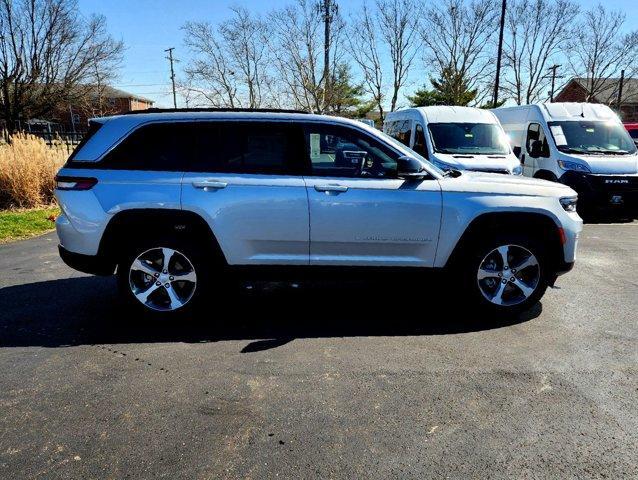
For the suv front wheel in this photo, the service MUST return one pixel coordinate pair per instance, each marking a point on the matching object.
(508, 274)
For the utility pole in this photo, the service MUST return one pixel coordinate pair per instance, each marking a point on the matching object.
(327, 9)
(620, 85)
(500, 53)
(170, 59)
(551, 92)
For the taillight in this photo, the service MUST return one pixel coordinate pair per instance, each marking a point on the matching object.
(74, 183)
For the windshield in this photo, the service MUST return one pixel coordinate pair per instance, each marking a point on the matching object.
(401, 147)
(469, 138)
(592, 137)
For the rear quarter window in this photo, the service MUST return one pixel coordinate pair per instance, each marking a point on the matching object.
(160, 146)
(94, 127)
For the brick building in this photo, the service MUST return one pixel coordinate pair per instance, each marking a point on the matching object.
(577, 89)
(106, 101)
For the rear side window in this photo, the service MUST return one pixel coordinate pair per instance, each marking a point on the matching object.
(246, 147)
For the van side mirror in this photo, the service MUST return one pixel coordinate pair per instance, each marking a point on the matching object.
(536, 149)
(410, 168)
(517, 152)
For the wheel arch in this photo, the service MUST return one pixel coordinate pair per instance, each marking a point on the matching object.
(546, 175)
(131, 223)
(532, 223)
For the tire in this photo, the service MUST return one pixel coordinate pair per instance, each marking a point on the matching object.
(145, 285)
(516, 289)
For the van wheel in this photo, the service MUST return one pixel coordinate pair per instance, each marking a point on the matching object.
(507, 275)
(162, 278)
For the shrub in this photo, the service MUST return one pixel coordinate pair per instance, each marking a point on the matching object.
(27, 169)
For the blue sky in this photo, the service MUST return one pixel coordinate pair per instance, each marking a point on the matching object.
(147, 27)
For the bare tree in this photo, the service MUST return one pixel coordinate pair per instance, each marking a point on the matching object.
(458, 36)
(50, 56)
(599, 50)
(365, 49)
(537, 33)
(231, 63)
(299, 54)
(397, 21)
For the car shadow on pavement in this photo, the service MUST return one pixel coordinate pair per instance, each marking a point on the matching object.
(86, 311)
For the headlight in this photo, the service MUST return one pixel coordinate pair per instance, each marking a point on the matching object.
(517, 170)
(569, 203)
(579, 167)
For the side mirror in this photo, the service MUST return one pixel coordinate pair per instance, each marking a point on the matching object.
(517, 152)
(536, 149)
(410, 168)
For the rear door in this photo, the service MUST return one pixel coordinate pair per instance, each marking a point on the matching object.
(361, 214)
(245, 180)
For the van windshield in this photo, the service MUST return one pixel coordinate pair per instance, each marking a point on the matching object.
(469, 138)
(592, 138)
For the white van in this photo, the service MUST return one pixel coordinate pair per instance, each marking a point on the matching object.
(460, 138)
(582, 145)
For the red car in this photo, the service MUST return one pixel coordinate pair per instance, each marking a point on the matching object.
(632, 128)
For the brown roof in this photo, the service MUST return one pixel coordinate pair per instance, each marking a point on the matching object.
(111, 92)
(607, 89)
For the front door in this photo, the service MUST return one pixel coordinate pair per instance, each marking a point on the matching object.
(361, 214)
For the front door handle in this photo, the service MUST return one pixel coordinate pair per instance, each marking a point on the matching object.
(331, 188)
(210, 184)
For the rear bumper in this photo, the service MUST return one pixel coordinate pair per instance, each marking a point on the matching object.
(604, 191)
(93, 264)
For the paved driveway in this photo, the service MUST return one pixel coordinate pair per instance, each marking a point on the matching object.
(320, 381)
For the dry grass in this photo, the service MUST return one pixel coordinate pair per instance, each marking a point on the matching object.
(27, 169)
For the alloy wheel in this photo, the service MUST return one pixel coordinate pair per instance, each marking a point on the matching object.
(508, 275)
(162, 279)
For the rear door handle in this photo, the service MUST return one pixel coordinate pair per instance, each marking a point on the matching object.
(331, 188)
(210, 184)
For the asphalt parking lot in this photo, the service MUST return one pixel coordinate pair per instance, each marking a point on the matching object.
(320, 381)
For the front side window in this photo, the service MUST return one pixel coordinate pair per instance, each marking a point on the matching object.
(336, 151)
(468, 138)
(536, 133)
(419, 141)
(592, 137)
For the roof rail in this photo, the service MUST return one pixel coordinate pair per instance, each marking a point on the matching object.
(182, 110)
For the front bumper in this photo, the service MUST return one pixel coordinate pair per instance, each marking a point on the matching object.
(604, 191)
(93, 264)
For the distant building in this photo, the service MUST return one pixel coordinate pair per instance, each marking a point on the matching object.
(103, 101)
(577, 89)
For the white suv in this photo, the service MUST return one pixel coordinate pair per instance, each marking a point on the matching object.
(174, 201)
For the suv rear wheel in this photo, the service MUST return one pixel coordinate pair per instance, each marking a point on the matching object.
(163, 277)
(508, 274)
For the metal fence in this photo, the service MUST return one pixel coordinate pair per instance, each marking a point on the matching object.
(66, 140)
